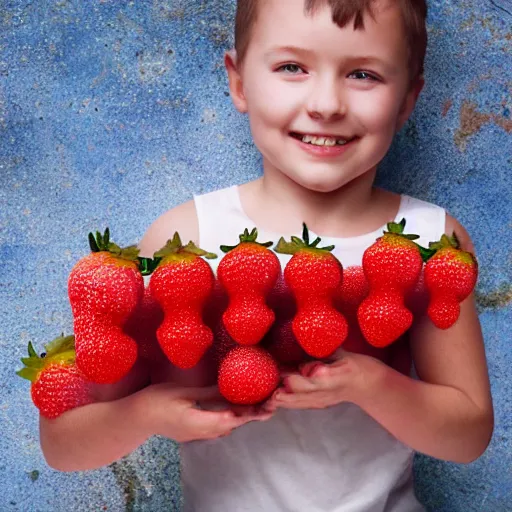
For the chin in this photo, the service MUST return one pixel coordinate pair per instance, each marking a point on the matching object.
(323, 187)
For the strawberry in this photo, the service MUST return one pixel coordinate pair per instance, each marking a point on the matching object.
(450, 277)
(353, 290)
(104, 289)
(248, 272)
(247, 375)
(181, 284)
(283, 346)
(313, 275)
(142, 326)
(392, 266)
(57, 384)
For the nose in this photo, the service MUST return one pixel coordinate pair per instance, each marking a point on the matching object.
(325, 100)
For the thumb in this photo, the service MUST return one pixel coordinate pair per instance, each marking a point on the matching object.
(340, 353)
(205, 393)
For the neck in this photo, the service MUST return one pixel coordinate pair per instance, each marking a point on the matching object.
(323, 212)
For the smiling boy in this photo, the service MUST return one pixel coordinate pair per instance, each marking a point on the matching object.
(326, 85)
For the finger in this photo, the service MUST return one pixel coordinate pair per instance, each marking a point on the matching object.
(308, 368)
(238, 421)
(297, 401)
(244, 410)
(299, 384)
(202, 394)
(339, 354)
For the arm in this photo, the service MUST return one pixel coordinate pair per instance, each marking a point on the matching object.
(446, 414)
(97, 434)
(127, 413)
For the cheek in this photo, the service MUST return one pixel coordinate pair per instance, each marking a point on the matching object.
(271, 103)
(378, 112)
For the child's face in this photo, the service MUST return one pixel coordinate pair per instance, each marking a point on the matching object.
(305, 76)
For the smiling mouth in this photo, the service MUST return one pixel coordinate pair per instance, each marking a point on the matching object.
(321, 140)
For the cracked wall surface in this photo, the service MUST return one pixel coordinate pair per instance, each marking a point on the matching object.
(113, 112)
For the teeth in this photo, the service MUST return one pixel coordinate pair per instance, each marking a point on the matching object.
(323, 141)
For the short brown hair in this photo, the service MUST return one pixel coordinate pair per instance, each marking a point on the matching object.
(414, 13)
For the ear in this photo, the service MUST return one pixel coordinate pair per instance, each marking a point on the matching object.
(409, 102)
(236, 88)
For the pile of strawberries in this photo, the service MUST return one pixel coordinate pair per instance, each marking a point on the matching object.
(251, 318)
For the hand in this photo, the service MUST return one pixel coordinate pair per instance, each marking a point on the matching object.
(191, 414)
(319, 385)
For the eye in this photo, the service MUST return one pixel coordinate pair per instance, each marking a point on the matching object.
(363, 75)
(291, 69)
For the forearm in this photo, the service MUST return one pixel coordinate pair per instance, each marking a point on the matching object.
(95, 435)
(436, 420)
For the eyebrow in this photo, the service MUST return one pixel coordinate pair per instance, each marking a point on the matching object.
(288, 49)
(358, 59)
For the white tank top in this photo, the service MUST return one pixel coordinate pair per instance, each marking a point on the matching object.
(332, 460)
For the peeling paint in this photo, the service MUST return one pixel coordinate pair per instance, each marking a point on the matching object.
(34, 475)
(471, 122)
(128, 481)
(447, 105)
(500, 298)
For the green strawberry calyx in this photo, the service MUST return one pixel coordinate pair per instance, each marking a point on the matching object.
(452, 243)
(175, 250)
(397, 229)
(102, 243)
(301, 244)
(60, 351)
(246, 238)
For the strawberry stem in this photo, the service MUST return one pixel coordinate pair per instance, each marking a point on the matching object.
(174, 246)
(426, 254)
(246, 238)
(102, 243)
(446, 241)
(148, 265)
(297, 244)
(398, 229)
(61, 350)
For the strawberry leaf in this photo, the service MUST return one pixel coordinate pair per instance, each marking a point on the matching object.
(174, 247)
(297, 244)
(60, 345)
(246, 237)
(305, 233)
(31, 350)
(28, 373)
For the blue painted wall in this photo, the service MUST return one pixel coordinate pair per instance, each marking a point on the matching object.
(113, 111)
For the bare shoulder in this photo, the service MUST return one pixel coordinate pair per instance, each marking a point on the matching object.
(454, 226)
(182, 218)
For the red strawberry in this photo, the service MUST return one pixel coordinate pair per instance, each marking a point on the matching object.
(181, 284)
(353, 290)
(57, 384)
(282, 344)
(450, 277)
(280, 341)
(142, 326)
(313, 274)
(104, 289)
(248, 375)
(248, 272)
(392, 266)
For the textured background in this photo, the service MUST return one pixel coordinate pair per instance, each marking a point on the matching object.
(112, 112)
